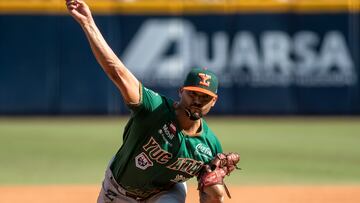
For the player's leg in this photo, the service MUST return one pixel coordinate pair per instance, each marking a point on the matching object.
(177, 194)
(110, 192)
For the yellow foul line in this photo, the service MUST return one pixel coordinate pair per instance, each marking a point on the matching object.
(178, 7)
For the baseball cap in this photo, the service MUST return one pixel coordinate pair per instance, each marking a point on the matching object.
(202, 80)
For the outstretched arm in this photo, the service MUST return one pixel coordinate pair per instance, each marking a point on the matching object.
(111, 64)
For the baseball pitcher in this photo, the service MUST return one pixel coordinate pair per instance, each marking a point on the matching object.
(165, 142)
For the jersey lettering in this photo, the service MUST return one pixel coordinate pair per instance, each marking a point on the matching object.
(156, 152)
(186, 165)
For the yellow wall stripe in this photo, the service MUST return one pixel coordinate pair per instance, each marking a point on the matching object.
(183, 7)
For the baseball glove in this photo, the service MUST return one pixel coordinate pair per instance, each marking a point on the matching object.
(214, 173)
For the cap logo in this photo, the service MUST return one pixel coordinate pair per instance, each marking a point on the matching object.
(204, 79)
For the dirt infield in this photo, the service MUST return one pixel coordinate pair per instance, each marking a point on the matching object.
(242, 194)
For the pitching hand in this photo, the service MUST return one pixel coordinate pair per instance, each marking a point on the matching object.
(80, 11)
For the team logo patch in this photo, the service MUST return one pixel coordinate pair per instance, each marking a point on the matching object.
(205, 79)
(142, 161)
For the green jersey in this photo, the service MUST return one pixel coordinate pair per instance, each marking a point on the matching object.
(156, 153)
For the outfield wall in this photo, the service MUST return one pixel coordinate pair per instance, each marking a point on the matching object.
(272, 58)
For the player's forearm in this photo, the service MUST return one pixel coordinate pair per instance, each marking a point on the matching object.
(111, 64)
(103, 53)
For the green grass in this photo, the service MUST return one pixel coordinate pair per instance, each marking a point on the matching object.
(293, 150)
(273, 150)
